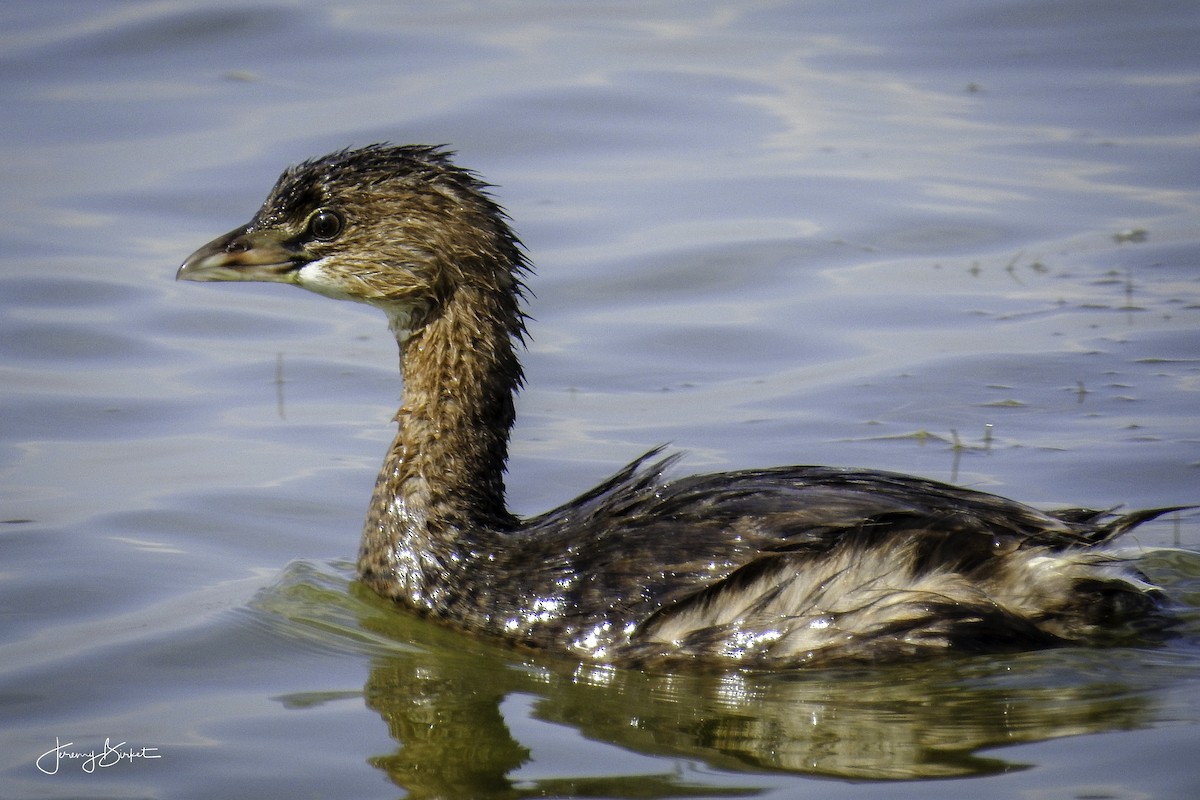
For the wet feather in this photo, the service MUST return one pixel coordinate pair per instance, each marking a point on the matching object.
(778, 567)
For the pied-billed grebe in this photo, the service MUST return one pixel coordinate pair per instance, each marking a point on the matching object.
(765, 568)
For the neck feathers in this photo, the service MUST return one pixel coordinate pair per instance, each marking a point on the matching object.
(460, 374)
(444, 474)
(442, 484)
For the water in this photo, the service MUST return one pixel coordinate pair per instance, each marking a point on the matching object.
(958, 239)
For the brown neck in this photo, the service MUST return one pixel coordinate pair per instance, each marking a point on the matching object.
(441, 489)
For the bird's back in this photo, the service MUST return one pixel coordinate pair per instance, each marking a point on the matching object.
(799, 565)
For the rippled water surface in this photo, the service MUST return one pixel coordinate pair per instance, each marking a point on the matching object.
(959, 238)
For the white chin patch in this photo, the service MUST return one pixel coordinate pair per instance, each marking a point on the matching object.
(400, 321)
(314, 277)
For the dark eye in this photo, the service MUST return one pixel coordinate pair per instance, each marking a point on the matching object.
(325, 225)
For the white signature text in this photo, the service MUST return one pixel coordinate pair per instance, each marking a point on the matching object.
(108, 756)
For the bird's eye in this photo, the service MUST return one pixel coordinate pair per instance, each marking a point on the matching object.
(325, 225)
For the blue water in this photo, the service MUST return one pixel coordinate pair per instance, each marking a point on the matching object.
(959, 239)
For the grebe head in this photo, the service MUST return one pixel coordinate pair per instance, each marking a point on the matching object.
(398, 227)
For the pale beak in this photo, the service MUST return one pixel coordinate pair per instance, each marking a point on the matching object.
(245, 255)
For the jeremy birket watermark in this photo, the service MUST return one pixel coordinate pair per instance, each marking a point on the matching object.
(110, 755)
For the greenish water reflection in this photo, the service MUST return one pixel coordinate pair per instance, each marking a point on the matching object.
(443, 697)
